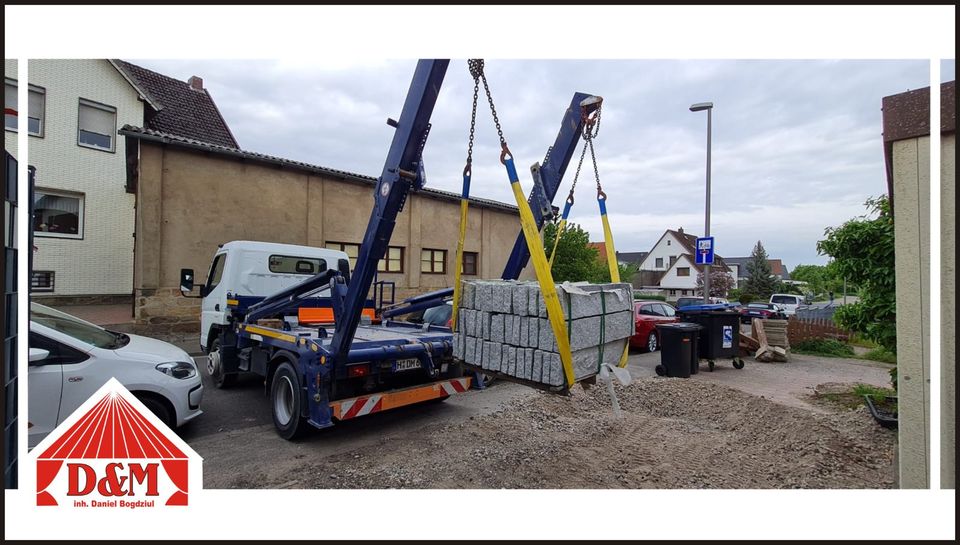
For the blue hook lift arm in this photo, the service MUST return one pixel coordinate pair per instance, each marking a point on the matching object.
(402, 171)
(551, 174)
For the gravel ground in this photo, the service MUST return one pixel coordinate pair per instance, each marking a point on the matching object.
(665, 440)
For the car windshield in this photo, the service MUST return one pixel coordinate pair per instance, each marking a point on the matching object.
(784, 299)
(438, 315)
(84, 332)
(760, 305)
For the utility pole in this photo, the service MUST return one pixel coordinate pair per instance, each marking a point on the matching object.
(708, 106)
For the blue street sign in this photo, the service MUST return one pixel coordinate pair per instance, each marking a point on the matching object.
(705, 251)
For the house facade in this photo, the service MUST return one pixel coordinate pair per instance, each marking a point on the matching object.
(671, 267)
(83, 216)
(84, 211)
(738, 267)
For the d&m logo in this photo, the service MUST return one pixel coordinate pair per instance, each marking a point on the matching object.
(114, 453)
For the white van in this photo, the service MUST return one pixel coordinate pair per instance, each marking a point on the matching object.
(244, 267)
(788, 301)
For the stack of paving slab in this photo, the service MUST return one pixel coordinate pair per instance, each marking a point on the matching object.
(503, 327)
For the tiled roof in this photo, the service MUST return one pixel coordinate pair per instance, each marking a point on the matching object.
(178, 108)
(631, 257)
(189, 143)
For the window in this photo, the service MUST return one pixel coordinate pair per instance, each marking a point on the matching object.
(668, 242)
(668, 311)
(77, 329)
(393, 261)
(61, 354)
(471, 263)
(683, 271)
(216, 272)
(35, 108)
(58, 214)
(41, 281)
(97, 125)
(352, 251)
(295, 265)
(673, 292)
(433, 261)
(673, 259)
(659, 262)
(648, 310)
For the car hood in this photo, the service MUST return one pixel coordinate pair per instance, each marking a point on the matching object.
(150, 350)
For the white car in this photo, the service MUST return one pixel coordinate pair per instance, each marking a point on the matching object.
(70, 359)
(788, 302)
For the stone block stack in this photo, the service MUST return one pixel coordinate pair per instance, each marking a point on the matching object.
(503, 327)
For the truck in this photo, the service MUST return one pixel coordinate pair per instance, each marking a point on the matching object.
(302, 318)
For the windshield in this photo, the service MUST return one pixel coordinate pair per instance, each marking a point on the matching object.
(438, 315)
(84, 332)
(784, 299)
(760, 305)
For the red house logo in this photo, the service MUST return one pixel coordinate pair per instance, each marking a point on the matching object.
(114, 453)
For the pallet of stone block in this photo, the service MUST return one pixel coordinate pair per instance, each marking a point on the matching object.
(533, 367)
(577, 299)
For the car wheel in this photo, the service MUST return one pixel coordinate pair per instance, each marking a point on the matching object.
(159, 408)
(652, 344)
(285, 402)
(221, 380)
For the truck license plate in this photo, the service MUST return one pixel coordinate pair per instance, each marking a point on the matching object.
(406, 365)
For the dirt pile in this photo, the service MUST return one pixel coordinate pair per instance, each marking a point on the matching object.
(675, 434)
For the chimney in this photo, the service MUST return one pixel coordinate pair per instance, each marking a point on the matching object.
(196, 83)
(680, 230)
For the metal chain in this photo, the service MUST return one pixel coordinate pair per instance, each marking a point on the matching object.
(591, 128)
(476, 70)
(473, 123)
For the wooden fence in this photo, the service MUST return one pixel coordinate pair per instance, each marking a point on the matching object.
(801, 330)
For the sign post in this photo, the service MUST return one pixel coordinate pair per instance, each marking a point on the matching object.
(705, 251)
(705, 257)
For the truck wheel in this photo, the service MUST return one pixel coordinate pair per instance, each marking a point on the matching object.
(221, 380)
(285, 400)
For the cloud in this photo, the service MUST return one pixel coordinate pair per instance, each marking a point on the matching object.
(796, 144)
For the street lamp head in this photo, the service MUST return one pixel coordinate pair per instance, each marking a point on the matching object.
(700, 106)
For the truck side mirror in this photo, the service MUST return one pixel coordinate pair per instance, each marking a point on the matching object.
(186, 281)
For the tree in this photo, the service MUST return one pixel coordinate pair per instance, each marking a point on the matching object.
(863, 252)
(820, 279)
(760, 280)
(575, 260)
(720, 283)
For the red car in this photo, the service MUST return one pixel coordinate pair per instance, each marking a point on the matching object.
(647, 314)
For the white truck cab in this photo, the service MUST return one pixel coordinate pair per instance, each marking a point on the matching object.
(244, 267)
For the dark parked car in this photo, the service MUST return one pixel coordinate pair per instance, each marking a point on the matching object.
(762, 311)
(646, 315)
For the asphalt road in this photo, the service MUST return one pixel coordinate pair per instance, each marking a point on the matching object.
(236, 438)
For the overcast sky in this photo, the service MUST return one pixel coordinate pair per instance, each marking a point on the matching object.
(796, 144)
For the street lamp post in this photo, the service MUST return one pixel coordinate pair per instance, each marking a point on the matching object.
(708, 106)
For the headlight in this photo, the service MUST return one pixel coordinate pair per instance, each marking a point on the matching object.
(178, 369)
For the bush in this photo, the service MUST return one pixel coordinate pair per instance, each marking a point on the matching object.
(880, 354)
(823, 347)
(649, 297)
(746, 298)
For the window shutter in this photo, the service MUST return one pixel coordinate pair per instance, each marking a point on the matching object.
(10, 96)
(36, 104)
(94, 119)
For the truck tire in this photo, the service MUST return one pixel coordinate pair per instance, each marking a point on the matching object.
(221, 380)
(285, 402)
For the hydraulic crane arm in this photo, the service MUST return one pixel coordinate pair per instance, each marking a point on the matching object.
(402, 171)
(550, 175)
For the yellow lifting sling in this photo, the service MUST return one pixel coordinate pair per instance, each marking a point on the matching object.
(532, 235)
